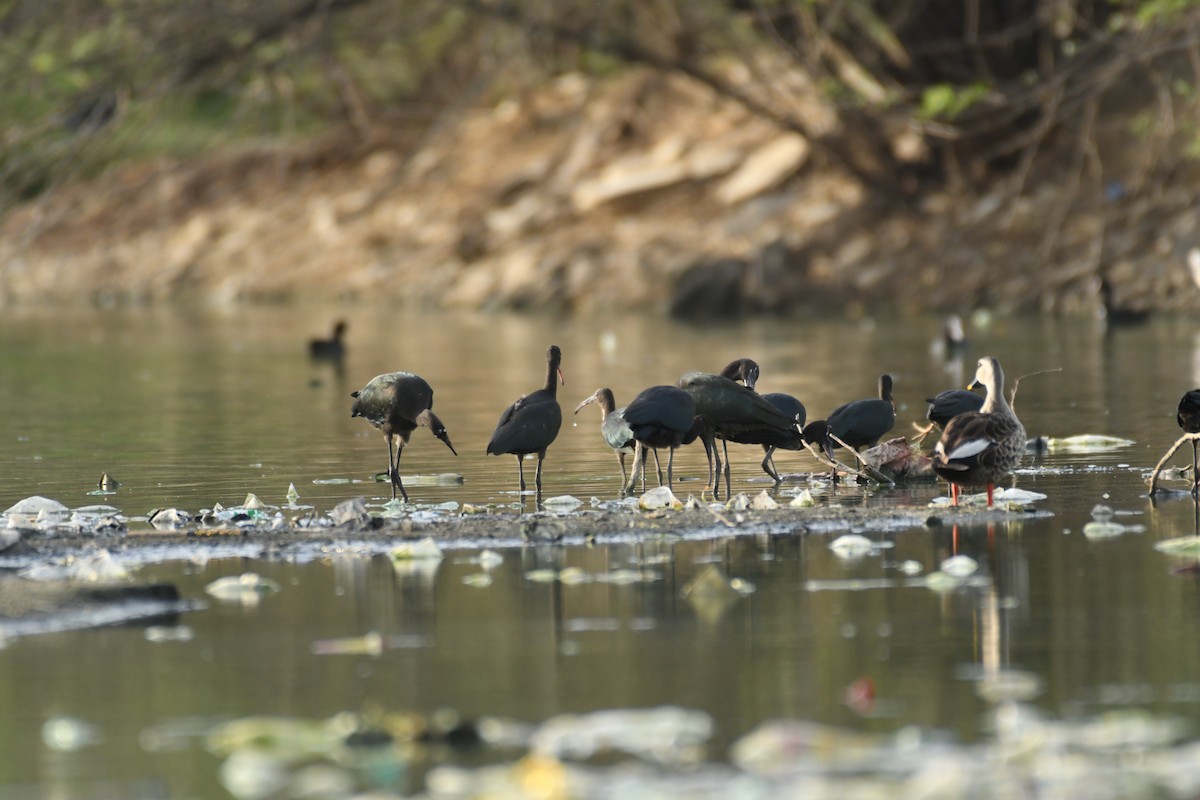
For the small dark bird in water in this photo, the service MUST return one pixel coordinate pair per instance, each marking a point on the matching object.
(332, 349)
(981, 447)
(1188, 418)
(613, 427)
(945, 406)
(530, 425)
(661, 416)
(862, 423)
(108, 483)
(397, 403)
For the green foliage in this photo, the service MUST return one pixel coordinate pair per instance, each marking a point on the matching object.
(946, 102)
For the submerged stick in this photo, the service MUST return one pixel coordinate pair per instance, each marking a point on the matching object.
(1162, 461)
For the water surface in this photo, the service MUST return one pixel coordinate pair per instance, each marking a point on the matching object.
(191, 408)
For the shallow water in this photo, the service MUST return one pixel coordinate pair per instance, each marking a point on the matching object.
(190, 408)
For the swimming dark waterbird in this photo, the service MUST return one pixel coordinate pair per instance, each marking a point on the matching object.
(397, 403)
(331, 349)
(945, 406)
(981, 447)
(660, 416)
(613, 427)
(530, 425)
(862, 423)
(738, 414)
(1188, 418)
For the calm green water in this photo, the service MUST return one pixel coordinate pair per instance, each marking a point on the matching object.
(188, 409)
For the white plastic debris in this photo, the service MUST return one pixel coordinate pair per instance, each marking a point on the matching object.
(763, 501)
(26, 512)
(426, 548)
(662, 497)
(960, 566)
(803, 500)
(246, 588)
(563, 502)
(852, 545)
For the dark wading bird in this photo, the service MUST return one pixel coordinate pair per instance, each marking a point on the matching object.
(531, 424)
(661, 416)
(397, 403)
(945, 406)
(748, 372)
(613, 427)
(738, 414)
(981, 447)
(1188, 417)
(862, 423)
(331, 349)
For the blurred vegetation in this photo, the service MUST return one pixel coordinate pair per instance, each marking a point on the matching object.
(987, 86)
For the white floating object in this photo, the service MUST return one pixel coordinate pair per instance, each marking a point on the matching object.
(852, 545)
(244, 588)
(542, 576)
(662, 497)
(803, 500)
(252, 502)
(478, 579)
(490, 559)
(427, 548)
(1104, 530)
(68, 734)
(1014, 495)
(292, 494)
(1088, 443)
(960, 566)
(763, 501)
(563, 501)
(910, 567)
(739, 503)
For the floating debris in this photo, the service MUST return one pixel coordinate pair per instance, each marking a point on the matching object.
(803, 500)
(852, 545)
(1088, 443)
(563, 502)
(252, 503)
(665, 735)
(960, 566)
(425, 549)
(662, 497)
(763, 502)
(246, 589)
(1097, 529)
(292, 494)
(910, 567)
(1009, 685)
(370, 644)
(35, 509)
(349, 512)
(95, 567)
(169, 633)
(1181, 545)
(169, 519)
(478, 579)
(68, 734)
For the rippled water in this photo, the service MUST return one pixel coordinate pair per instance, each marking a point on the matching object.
(189, 408)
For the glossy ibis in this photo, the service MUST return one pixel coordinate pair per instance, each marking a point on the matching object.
(397, 403)
(862, 423)
(616, 432)
(1188, 417)
(981, 447)
(735, 413)
(331, 349)
(661, 416)
(530, 425)
(945, 406)
(748, 372)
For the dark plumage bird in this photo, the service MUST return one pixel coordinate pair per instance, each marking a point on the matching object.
(661, 416)
(747, 371)
(1188, 417)
(981, 447)
(397, 403)
(738, 414)
(531, 424)
(791, 408)
(332, 349)
(945, 406)
(613, 427)
(863, 423)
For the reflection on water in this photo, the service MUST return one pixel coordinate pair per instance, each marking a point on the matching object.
(192, 409)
